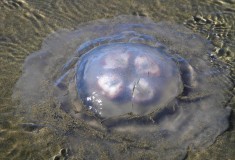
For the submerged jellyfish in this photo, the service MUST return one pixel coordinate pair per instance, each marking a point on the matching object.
(120, 78)
(129, 76)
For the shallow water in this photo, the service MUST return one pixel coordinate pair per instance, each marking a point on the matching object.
(25, 24)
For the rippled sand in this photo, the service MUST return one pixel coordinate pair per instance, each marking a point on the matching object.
(23, 26)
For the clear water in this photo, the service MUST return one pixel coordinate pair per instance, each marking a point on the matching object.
(25, 24)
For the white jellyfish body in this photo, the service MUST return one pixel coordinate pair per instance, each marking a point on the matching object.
(145, 75)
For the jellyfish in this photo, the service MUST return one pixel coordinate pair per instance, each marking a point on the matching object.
(133, 77)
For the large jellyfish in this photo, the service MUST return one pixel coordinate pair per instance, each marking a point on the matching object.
(121, 78)
(131, 77)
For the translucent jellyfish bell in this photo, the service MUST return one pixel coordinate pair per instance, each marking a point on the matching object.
(121, 78)
(127, 77)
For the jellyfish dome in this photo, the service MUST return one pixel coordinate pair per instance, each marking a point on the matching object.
(120, 78)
